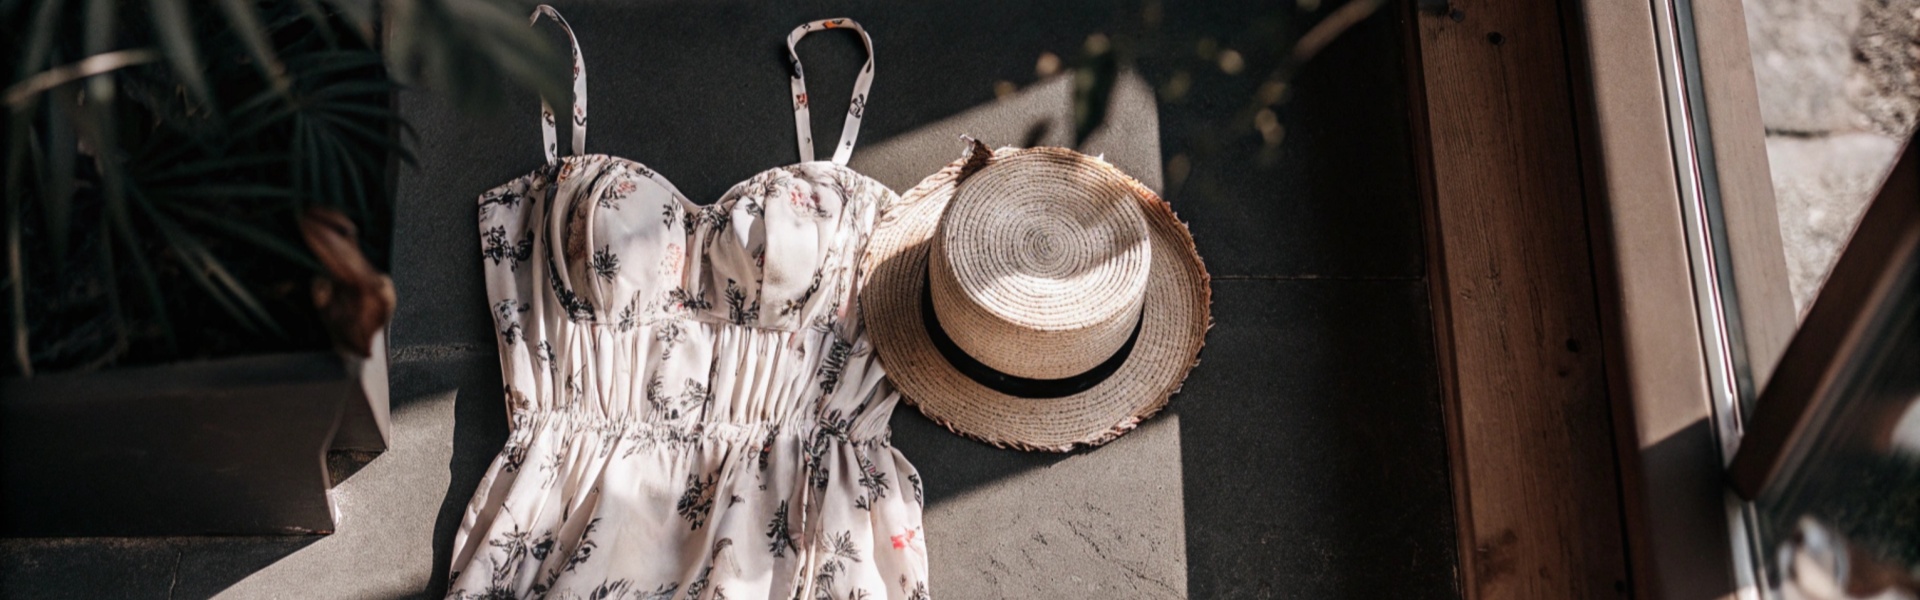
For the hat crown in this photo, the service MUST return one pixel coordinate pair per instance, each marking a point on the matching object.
(1040, 265)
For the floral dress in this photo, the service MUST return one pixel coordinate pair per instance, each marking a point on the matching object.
(695, 411)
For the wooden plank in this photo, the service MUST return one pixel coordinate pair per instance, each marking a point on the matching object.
(1515, 306)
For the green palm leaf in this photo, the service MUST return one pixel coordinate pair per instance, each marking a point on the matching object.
(173, 25)
(212, 275)
(244, 19)
(241, 230)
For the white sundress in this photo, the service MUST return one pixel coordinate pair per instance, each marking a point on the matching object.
(695, 411)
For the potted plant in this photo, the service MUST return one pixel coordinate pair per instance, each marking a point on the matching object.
(197, 218)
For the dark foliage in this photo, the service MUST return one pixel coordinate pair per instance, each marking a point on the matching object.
(158, 153)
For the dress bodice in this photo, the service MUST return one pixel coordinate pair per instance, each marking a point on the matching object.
(623, 247)
(600, 272)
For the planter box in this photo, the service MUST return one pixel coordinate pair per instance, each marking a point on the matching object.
(231, 446)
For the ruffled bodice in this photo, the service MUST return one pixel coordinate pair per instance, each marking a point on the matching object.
(625, 298)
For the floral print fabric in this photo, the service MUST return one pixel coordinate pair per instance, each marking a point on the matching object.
(696, 413)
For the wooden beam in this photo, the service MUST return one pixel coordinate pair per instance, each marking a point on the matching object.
(1513, 294)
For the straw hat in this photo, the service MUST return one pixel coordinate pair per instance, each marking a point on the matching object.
(1037, 299)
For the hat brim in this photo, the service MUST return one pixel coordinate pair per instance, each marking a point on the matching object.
(1174, 324)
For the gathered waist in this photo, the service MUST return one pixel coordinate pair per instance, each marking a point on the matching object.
(527, 423)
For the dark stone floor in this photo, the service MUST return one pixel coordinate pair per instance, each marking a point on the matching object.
(1305, 458)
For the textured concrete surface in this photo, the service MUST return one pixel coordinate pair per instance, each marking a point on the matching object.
(1839, 84)
(1801, 58)
(1304, 459)
(1885, 83)
(1822, 185)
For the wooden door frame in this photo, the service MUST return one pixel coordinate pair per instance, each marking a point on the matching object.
(1584, 457)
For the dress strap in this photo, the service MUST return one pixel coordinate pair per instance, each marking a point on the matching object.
(579, 92)
(802, 118)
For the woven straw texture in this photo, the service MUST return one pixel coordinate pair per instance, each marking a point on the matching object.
(1173, 310)
(1040, 251)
